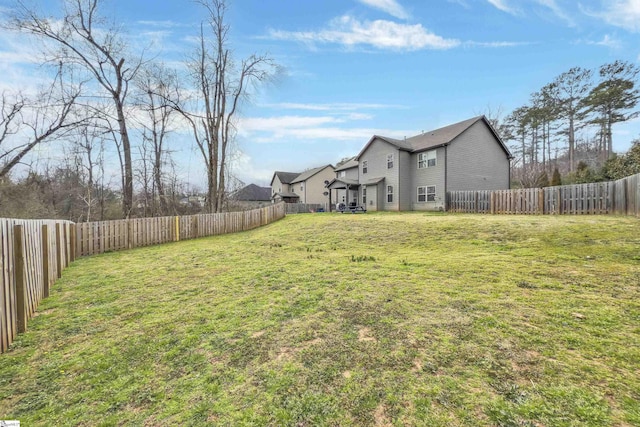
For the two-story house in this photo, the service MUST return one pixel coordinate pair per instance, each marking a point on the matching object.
(416, 173)
(282, 188)
(305, 187)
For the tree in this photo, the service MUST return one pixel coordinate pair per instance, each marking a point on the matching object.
(157, 87)
(221, 85)
(556, 179)
(612, 100)
(26, 123)
(623, 165)
(572, 86)
(80, 43)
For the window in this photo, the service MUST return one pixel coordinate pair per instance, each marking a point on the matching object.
(343, 174)
(364, 167)
(364, 195)
(427, 160)
(390, 161)
(431, 193)
(427, 194)
(301, 187)
(422, 194)
(389, 194)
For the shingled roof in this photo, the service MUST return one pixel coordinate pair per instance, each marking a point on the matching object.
(437, 137)
(253, 193)
(285, 177)
(308, 174)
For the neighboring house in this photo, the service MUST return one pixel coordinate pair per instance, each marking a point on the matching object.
(305, 187)
(250, 197)
(311, 185)
(416, 173)
(282, 189)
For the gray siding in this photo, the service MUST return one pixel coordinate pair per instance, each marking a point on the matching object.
(278, 187)
(404, 192)
(477, 161)
(376, 157)
(426, 177)
(314, 187)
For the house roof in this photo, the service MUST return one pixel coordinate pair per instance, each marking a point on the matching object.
(284, 177)
(286, 195)
(351, 163)
(308, 174)
(437, 137)
(252, 193)
(339, 183)
(374, 181)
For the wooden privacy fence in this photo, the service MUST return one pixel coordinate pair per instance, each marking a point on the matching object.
(33, 253)
(614, 197)
(295, 208)
(105, 236)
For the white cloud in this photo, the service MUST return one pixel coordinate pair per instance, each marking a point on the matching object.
(619, 13)
(392, 7)
(502, 5)
(607, 41)
(496, 44)
(338, 106)
(557, 10)
(288, 129)
(462, 3)
(380, 34)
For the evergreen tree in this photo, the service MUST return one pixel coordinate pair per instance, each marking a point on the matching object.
(612, 100)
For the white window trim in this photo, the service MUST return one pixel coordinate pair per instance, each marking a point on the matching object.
(365, 166)
(389, 193)
(426, 158)
(426, 193)
(390, 159)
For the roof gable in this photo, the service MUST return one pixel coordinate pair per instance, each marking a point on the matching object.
(351, 163)
(308, 174)
(400, 145)
(284, 177)
(437, 137)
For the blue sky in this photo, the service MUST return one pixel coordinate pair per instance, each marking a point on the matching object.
(354, 68)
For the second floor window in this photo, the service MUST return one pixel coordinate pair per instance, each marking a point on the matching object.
(427, 160)
(390, 161)
(389, 194)
(364, 167)
(343, 174)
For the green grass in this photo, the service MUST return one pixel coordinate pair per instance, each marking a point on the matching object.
(325, 319)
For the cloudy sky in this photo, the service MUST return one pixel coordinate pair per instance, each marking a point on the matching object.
(354, 68)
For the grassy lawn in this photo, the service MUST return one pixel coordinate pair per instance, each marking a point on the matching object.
(327, 319)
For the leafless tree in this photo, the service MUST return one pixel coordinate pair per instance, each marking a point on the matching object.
(26, 123)
(157, 88)
(221, 84)
(82, 41)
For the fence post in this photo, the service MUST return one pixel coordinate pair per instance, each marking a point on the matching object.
(129, 233)
(21, 284)
(73, 242)
(194, 226)
(492, 201)
(59, 249)
(177, 229)
(541, 201)
(45, 260)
